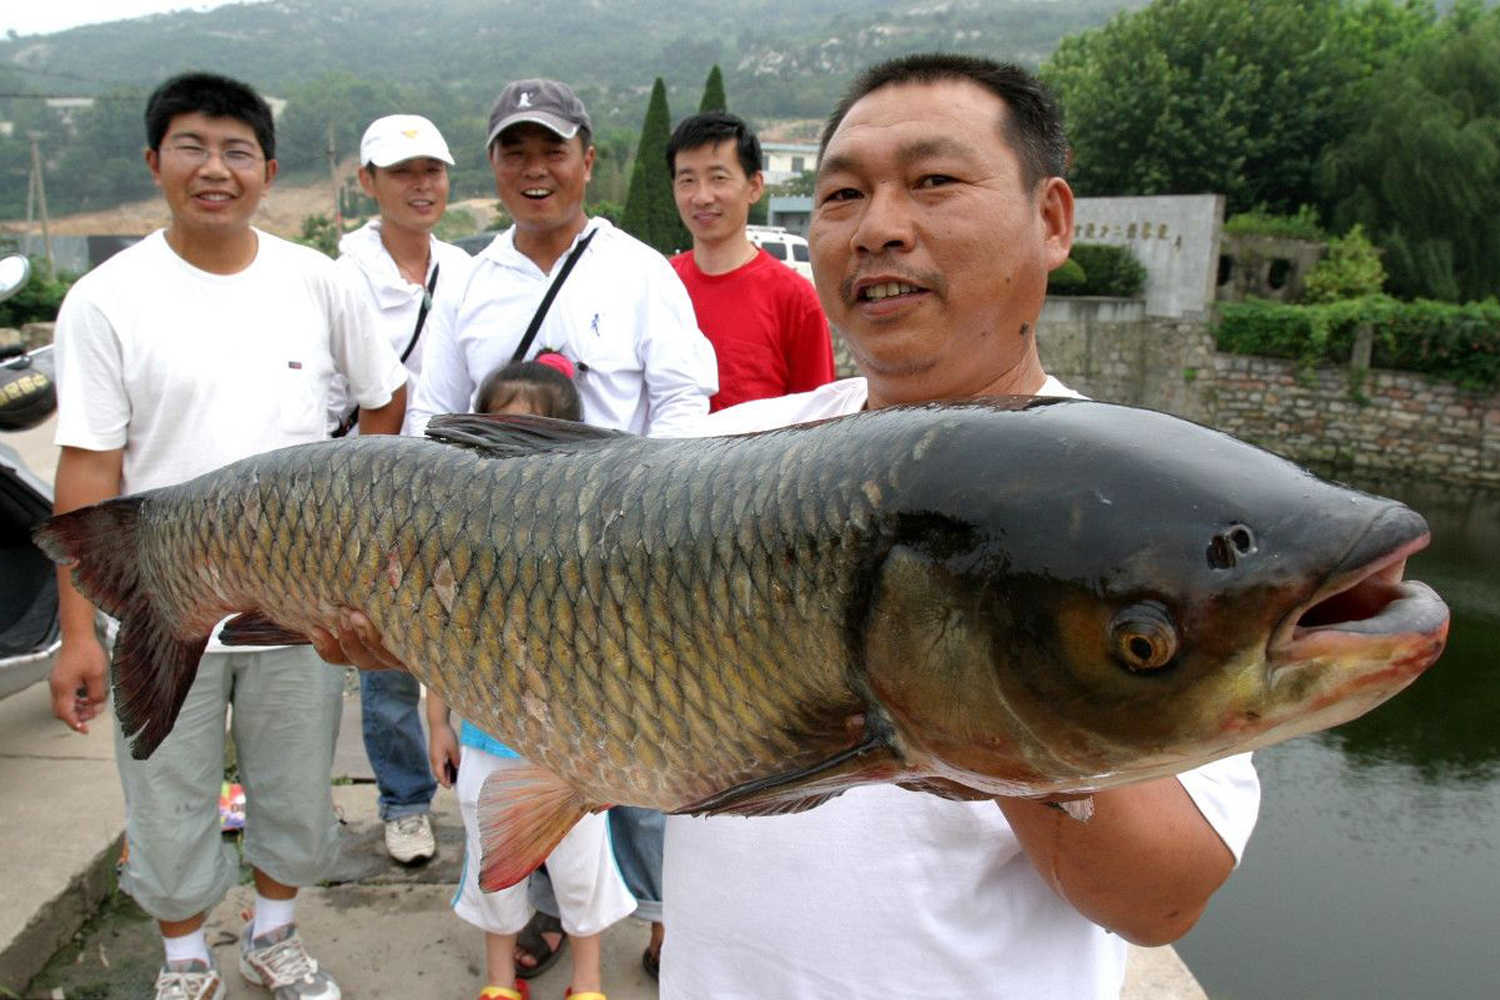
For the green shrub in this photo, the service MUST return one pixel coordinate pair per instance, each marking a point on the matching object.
(1259, 222)
(38, 300)
(1067, 279)
(319, 232)
(1459, 343)
(1351, 269)
(1107, 270)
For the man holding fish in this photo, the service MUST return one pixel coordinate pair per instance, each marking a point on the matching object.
(939, 210)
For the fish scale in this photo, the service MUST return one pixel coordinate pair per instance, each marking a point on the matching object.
(939, 594)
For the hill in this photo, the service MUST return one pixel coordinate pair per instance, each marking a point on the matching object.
(338, 64)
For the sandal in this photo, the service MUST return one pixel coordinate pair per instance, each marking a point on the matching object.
(530, 940)
(585, 995)
(651, 963)
(521, 992)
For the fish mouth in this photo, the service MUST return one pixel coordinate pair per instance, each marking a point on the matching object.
(1366, 605)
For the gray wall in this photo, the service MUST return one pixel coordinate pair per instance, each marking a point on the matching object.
(1387, 422)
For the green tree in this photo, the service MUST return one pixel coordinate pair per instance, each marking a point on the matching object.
(342, 102)
(38, 300)
(1350, 270)
(1231, 96)
(1421, 170)
(319, 232)
(97, 162)
(650, 211)
(714, 98)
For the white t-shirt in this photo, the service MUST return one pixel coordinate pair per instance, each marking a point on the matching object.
(885, 892)
(623, 313)
(188, 371)
(372, 273)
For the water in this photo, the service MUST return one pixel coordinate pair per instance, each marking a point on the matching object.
(1374, 872)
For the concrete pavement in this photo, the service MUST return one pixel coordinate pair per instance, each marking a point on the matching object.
(383, 930)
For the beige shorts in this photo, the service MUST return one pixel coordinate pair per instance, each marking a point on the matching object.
(287, 705)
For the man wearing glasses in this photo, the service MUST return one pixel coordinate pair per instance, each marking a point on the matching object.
(207, 342)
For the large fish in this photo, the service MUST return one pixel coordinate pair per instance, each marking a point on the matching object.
(1021, 597)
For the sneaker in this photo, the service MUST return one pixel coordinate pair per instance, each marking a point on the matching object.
(190, 980)
(409, 839)
(279, 961)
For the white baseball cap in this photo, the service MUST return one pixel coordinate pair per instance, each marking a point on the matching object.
(396, 138)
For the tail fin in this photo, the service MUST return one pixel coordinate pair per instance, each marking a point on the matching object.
(152, 667)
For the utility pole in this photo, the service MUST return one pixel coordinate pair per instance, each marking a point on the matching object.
(333, 171)
(40, 187)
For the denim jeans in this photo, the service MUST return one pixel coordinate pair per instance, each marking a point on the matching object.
(391, 724)
(636, 836)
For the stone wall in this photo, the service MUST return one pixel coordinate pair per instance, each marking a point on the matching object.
(1386, 423)
(1110, 349)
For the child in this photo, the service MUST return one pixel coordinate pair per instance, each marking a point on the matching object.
(590, 891)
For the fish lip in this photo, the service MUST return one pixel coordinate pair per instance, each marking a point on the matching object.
(1401, 608)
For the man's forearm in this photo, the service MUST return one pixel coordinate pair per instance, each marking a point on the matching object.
(1143, 866)
(83, 478)
(385, 419)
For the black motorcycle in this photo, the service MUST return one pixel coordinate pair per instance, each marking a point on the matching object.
(28, 581)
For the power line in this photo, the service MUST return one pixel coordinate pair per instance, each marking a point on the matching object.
(71, 97)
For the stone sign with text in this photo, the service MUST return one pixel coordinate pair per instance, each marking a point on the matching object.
(1176, 237)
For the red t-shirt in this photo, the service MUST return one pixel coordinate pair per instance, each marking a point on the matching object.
(766, 326)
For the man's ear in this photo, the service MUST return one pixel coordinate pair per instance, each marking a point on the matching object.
(367, 181)
(271, 167)
(1054, 202)
(153, 164)
(588, 162)
(757, 186)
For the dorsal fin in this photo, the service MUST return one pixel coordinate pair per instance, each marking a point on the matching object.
(514, 435)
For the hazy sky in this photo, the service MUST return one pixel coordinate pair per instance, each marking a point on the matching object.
(29, 18)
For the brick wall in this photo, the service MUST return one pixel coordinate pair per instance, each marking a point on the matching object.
(1388, 422)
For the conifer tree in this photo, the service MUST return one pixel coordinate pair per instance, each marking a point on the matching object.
(713, 92)
(650, 211)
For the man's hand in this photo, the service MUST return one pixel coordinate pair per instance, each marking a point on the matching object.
(358, 643)
(77, 681)
(78, 687)
(442, 754)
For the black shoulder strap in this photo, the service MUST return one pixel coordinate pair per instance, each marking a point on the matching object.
(541, 310)
(422, 312)
(352, 419)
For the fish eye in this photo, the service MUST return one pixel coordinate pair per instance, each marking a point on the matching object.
(1143, 637)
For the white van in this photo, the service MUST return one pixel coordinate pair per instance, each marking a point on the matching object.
(789, 248)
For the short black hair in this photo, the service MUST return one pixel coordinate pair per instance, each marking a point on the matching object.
(549, 392)
(709, 128)
(1033, 124)
(212, 95)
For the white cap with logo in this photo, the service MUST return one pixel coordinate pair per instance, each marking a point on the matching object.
(396, 138)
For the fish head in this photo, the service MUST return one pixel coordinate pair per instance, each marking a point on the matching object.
(1115, 594)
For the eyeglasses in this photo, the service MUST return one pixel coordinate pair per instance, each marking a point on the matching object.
(235, 158)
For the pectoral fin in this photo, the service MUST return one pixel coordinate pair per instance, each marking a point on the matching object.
(253, 628)
(870, 761)
(524, 811)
